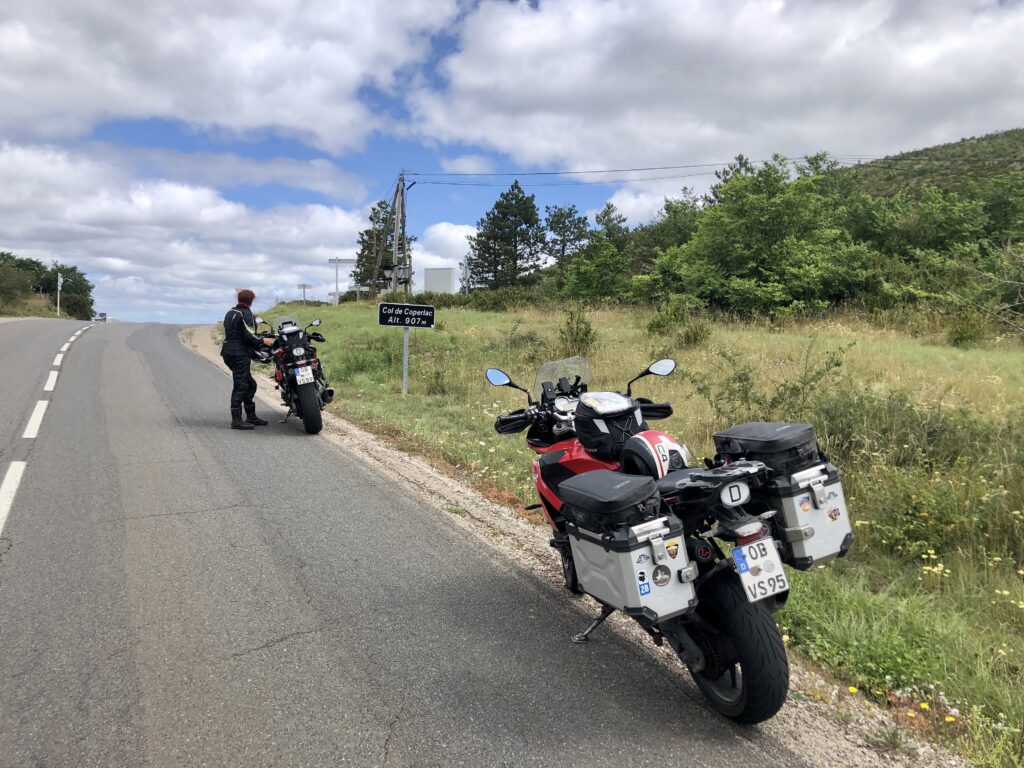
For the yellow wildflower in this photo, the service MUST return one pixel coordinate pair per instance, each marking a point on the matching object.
(852, 689)
(924, 705)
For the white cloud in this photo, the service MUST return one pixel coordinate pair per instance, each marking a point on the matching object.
(584, 84)
(442, 245)
(159, 248)
(292, 67)
(467, 164)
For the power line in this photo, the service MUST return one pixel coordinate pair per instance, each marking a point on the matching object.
(430, 177)
(578, 183)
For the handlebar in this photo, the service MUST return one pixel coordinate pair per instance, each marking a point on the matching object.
(654, 411)
(516, 421)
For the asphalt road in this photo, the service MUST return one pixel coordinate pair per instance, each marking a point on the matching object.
(174, 593)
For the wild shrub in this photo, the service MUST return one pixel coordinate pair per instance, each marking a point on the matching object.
(967, 328)
(674, 313)
(745, 395)
(576, 336)
(695, 332)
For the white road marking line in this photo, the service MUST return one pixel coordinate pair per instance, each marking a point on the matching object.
(51, 382)
(36, 419)
(8, 488)
(58, 359)
(72, 338)
(65, 347)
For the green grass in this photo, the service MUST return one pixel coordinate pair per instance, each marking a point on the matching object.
(28, 306)
(929, 606)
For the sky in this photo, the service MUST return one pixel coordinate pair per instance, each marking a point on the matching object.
(177, 150)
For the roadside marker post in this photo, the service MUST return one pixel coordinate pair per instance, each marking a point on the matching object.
(405, 316)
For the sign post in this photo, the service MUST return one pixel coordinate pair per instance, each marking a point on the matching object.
(60, 284)
(405, 316)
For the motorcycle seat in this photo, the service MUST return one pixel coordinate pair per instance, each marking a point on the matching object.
(669, 485)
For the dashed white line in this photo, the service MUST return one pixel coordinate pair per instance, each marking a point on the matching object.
(65, 347)
(58, 359)
(35, 420)
(72, 338)
(51, 382)
(8, 488)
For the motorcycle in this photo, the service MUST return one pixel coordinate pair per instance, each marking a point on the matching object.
(694, 554)
(297, 370)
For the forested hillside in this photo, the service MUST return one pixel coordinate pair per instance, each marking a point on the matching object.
(938, 230)
(965, 166)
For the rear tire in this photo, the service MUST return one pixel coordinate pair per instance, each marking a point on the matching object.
(309, 408)
(747, 676)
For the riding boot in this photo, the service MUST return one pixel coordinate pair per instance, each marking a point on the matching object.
(237, 422)
(252, 418)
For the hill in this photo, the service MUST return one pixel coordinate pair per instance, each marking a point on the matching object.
(961, 166)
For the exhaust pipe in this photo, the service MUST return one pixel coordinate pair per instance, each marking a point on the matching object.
(328, 394)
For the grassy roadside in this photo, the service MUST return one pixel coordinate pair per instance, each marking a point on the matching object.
(926, 615)
(28, 306)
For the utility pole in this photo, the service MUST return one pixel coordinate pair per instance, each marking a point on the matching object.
(337, 289)
(60, 284)
(304, 286)
(396, 240)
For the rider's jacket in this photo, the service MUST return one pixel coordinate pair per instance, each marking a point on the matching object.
(240, 337)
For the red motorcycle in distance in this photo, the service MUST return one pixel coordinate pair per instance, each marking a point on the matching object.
(298, 373)
(693, 554)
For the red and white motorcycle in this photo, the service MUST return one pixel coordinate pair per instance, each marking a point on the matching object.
(693, 554)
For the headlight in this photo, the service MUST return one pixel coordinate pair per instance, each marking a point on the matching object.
(735, 494)
(299, 352)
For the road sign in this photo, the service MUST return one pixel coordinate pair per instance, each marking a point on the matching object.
(406, 315)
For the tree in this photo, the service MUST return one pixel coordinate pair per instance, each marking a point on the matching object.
(568, 232)
(613, 225)
(599, 271)
(508, 242)
(376, 243)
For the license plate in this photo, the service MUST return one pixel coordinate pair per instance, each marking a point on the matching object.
(760, 569)
(304, 375)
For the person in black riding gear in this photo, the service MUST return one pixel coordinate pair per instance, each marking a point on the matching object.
(240, 344)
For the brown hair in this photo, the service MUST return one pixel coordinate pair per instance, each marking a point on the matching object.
(246, 297)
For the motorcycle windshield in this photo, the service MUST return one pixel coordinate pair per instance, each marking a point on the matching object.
(286, 320)
(569, 368)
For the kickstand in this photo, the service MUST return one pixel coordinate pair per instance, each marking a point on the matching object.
(285, 419)
(584, 636)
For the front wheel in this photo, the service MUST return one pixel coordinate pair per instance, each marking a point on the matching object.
(309, 408)
(746, 672)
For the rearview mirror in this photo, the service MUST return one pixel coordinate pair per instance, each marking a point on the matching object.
(317, 322)
(662, 367)
(498, 377)
(259, 319)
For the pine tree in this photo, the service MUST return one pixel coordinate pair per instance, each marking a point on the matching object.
(613, 225)
(508, 243)
(568, 232)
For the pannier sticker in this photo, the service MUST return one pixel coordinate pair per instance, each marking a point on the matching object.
(644, 558)
(805, 503)
(661, 576)
(672, 547)
(834, 514)
(832, 496)
(645, 589)
(641, 576)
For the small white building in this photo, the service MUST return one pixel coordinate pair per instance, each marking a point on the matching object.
(439, 280)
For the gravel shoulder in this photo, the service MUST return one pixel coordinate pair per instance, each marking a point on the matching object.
(821, 721)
